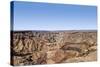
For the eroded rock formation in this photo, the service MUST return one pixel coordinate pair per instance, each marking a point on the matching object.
(48, 47)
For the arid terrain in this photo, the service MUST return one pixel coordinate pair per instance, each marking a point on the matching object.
(50, 47)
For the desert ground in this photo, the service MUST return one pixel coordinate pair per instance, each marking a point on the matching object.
(53, 47)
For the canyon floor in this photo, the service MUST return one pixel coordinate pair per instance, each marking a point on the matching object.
(53, 47)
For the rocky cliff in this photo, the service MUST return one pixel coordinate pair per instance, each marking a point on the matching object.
(48, 47)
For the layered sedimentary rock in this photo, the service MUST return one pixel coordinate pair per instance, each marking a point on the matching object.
(48, 47)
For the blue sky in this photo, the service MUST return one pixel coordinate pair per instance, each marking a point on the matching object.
(47, 16)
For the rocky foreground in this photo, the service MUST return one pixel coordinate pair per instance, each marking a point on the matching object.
(50, 47)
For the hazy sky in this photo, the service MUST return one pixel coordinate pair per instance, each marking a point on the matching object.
(46, 16)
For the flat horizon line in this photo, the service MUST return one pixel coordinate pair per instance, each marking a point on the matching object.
(58, 30)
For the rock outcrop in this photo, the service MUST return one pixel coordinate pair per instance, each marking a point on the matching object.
(49, 47)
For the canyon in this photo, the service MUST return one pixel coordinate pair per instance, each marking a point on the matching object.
(53, 47)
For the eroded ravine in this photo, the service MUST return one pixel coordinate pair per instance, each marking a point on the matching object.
(44, 47)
